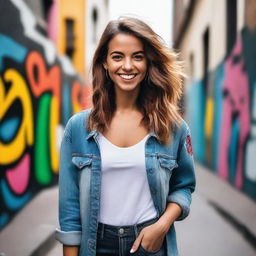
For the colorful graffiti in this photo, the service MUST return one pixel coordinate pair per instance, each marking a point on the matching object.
(235, 123)
(38, 93)
(227, 127)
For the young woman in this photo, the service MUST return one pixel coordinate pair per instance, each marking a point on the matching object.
(126, 165)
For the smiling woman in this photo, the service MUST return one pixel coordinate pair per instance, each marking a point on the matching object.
(126, 165)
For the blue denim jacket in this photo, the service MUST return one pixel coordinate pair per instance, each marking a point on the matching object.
(170, 172)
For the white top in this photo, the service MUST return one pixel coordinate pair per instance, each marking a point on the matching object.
(125, 195)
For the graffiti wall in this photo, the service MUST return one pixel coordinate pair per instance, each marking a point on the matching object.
(39, 91)
(225, 132)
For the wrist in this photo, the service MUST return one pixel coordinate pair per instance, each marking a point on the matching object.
(171, 213)
(163, 225)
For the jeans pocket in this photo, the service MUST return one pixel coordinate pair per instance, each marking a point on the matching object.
(143, 252)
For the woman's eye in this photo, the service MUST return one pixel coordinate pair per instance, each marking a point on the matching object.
(116, 57)
(138, 57)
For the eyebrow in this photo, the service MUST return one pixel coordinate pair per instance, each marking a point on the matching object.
(117, 52)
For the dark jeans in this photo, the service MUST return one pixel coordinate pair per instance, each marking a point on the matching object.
(118, 241)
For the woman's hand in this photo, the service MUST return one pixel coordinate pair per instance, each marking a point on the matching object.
(150, 238)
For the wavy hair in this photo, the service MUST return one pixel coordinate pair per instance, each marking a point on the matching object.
(160, 90)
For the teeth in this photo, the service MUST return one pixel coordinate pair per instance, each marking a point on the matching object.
(127, 76)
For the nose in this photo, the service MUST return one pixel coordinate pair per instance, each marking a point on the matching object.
(127, 65)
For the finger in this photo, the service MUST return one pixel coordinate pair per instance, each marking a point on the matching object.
(136, 243)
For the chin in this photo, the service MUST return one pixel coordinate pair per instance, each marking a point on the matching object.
(128, 87)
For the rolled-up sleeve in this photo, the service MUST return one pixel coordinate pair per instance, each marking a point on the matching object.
(182, 182)
(69, 232)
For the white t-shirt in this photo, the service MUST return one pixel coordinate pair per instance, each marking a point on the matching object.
(125, 195)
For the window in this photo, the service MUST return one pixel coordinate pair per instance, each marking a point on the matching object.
(70, 38)
(231, 21)
(205, 59)
(94, 23)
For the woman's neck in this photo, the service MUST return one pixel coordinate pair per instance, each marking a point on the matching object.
(126, 101)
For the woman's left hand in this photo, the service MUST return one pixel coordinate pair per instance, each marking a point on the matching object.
(150, 238)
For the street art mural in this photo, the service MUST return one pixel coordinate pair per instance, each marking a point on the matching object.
(39, 91)
(230, 120)
(235, 123)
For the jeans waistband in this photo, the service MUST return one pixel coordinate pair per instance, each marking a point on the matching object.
(125, 230)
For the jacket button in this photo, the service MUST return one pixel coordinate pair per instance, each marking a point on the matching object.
(80, 163)
(151, 170)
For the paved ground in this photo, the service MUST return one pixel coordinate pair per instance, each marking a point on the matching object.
(32, 226)
(204, 232)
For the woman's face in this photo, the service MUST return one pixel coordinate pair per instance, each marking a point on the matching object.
(126, 62)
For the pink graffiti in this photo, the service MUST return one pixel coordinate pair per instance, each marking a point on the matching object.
(18, 177)
(235, 101)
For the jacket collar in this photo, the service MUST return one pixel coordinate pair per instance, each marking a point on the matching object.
(153, 134)
(92, 133)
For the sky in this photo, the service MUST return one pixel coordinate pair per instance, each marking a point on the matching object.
(156, 13)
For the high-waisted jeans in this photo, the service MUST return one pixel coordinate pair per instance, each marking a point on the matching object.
(118, 241)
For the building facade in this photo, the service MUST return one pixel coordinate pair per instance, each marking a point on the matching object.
(217, 43)
(97, 16)
(39, 90)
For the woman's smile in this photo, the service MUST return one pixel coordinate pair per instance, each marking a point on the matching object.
(127, 77)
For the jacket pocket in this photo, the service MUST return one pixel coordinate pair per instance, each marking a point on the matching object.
(167, 163)
(81, 161)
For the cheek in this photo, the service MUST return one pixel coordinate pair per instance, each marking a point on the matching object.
(112, 74)
(144, 67)
(112, 67)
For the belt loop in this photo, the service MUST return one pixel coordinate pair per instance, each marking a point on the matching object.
(136, 230)
(102, 231)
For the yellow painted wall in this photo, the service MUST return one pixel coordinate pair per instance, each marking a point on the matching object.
(74, 10)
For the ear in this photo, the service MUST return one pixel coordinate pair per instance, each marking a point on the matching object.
(105, 66)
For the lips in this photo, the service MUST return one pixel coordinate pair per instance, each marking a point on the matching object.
(127, 76)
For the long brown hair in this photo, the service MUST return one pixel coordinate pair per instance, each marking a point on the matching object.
(160, 91)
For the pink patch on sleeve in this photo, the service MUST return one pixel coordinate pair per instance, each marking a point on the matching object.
(189, 145)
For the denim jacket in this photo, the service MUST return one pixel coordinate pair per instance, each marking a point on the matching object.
(170, 173)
